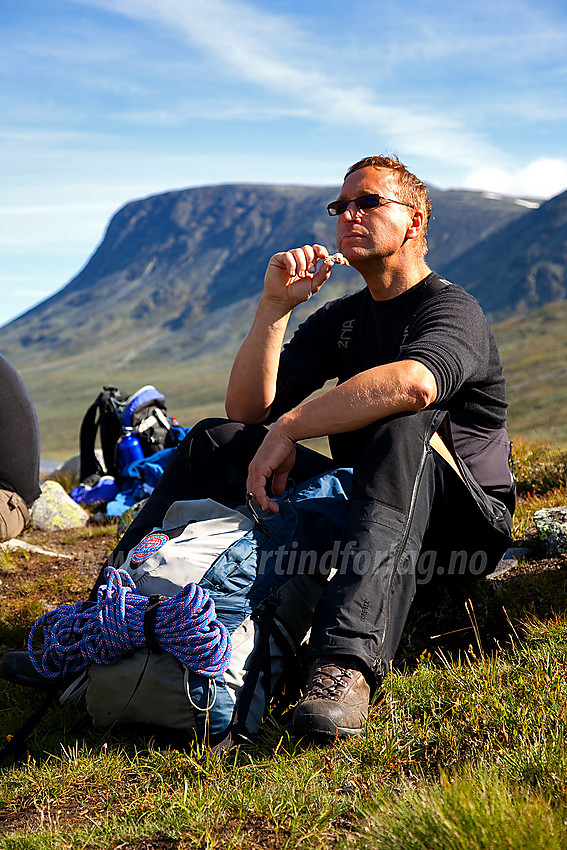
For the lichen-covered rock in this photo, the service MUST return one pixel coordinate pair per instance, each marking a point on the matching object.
(56, 510)
(551, 524)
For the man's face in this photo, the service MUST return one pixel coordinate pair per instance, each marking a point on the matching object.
(379, 232)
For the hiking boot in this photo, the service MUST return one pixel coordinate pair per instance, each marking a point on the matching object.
(16, 667)
(335, 704)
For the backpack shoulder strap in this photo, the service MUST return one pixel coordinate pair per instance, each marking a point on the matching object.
(101, 415)
(89, 464)
(260, 663)
(110, 423)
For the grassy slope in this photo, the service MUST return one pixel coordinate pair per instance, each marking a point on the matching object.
(62, 392)
(534, 353)
(465, 748)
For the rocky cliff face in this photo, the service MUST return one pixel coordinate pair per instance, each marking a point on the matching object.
(522, 266)
(177, 274)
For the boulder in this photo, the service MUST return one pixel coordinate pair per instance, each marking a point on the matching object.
(71, 468)
(54, 509)
(551, 524)
(508, 563)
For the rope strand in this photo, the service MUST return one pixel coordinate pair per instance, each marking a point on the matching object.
(185, 626)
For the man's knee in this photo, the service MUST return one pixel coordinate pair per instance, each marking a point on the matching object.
(220, 430)
(206, 426)
(420, 425)
(216, 437)
(391, 457)
(204, 434)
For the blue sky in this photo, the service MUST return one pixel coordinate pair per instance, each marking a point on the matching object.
(104, 101)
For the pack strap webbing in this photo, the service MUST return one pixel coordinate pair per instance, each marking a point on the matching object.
(89, 464)
(261, 663)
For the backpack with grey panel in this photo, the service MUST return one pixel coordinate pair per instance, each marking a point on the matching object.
(265, 573)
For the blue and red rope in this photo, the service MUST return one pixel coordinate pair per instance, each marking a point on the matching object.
(185, 626)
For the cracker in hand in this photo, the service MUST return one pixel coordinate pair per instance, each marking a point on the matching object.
(339, 259)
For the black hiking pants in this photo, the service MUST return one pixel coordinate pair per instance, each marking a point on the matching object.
(412, 521)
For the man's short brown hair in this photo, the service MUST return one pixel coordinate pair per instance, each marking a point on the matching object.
(412, 190)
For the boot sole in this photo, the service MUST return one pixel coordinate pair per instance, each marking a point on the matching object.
(38, 682)
(317, 726)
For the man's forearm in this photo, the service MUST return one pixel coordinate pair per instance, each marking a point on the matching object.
(363, 399)
(252, 383)
(291, 278)
(403, 386)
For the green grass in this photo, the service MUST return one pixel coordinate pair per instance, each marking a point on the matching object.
(533, 349)
(539, 467)
(480, 812)
(461, 754)
(464, 748)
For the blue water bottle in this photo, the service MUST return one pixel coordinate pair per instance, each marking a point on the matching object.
(129, 447)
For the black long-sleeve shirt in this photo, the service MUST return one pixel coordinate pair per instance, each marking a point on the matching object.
(435, 323)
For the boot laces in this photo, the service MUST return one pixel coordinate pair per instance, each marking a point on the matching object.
(327, 685)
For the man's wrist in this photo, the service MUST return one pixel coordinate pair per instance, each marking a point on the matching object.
(287, 425)
(273, 311)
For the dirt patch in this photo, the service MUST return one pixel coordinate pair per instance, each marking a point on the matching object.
(77, 551)
(65, 813)
(32, 583)
(255, 832)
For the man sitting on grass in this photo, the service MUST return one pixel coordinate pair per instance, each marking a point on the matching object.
(418, 412)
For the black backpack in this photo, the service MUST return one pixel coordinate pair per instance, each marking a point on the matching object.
(111, 411)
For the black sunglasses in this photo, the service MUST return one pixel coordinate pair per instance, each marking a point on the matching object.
(365, 202)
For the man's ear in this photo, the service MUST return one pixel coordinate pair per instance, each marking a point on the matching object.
(417, 223)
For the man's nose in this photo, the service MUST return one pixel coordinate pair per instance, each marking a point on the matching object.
(351, 211)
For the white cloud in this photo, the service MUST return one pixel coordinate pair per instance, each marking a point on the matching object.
(542, 178)
(273, 53)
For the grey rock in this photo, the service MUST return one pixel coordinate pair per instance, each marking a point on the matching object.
(507, 562)
(71, 468)
(551, 524)
(55, 510)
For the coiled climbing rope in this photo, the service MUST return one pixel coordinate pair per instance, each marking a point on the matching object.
(185, 626)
